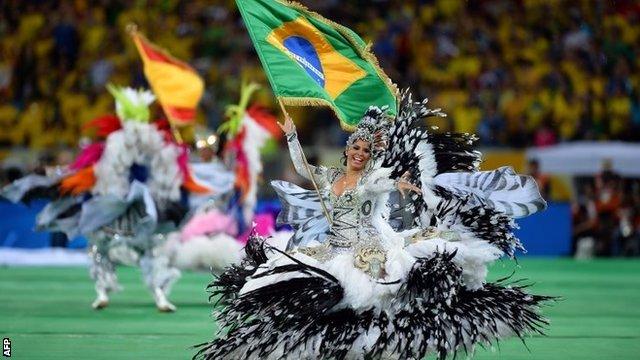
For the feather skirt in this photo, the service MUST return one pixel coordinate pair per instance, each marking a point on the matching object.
(276, 305)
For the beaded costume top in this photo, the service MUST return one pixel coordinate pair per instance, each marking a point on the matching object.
(351, 212)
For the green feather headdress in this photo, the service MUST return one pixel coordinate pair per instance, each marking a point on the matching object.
(131, 104)
(235, 113)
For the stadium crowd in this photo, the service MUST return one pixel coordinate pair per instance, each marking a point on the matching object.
(519, 73)
(606, 215)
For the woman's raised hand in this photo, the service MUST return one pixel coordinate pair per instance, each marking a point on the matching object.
(288, 127)
(404, 185)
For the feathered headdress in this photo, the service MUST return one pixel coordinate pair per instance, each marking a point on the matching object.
(131, 104)
(373, 128)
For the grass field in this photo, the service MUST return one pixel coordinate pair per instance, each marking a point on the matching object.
(46, 314)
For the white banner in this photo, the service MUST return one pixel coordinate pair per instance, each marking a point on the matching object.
(585, 158)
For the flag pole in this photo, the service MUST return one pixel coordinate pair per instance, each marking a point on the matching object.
(306, 165)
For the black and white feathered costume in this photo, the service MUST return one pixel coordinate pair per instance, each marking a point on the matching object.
(363, 289)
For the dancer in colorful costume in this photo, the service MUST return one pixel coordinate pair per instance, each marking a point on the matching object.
(350, 286)
(123, 193)
(213, 238)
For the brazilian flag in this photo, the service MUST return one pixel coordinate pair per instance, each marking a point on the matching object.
(310, 60)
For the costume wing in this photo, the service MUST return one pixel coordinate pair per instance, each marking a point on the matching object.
(454, 193)
(30, 187)
(302, 210)
(501, 189)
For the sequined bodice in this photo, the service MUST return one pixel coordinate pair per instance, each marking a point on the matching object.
(351, 214)
(352, 232)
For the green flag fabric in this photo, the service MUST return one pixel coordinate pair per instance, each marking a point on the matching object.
(310, 60)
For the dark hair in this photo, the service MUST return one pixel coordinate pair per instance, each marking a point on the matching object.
(344, 158)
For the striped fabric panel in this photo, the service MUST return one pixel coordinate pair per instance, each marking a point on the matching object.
(302, 210)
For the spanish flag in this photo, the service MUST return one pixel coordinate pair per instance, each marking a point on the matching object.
(310, 60)
(177, 85)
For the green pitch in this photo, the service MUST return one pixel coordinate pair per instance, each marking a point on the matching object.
(46, 314)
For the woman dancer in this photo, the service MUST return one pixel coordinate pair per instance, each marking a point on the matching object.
(350, 286)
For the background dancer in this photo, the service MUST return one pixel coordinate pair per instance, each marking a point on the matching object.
(123, 192)
(214, 235)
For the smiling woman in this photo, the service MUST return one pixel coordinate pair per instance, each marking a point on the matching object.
(358, 155)
(352, 286)
(352, 192)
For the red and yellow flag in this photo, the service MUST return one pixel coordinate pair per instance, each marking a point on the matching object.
(177, 85)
